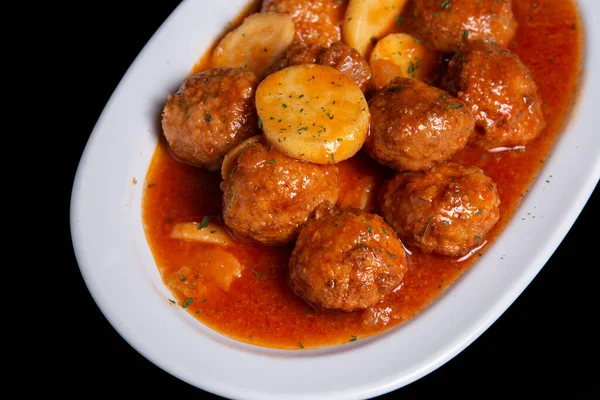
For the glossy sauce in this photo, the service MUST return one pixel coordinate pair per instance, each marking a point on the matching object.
(259, 307)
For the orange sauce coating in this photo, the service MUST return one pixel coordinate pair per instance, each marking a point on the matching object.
(259, 307)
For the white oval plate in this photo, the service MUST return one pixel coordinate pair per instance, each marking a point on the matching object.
(121, 274)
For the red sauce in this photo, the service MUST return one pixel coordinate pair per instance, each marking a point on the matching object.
(259, 307)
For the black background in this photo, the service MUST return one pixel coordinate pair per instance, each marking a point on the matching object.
(537, 347)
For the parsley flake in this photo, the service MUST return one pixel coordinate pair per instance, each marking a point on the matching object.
(204, 223)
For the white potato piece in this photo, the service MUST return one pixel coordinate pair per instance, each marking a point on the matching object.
(313, 112)
(256, 43)
(209, 233)
(367, 19)
(400, 55)
(221, 267)
(233, 154)
(216, 267)
(362, 196)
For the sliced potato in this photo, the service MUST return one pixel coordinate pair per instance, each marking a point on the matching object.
(256, 43)
(362, 196)
(233, 154)
(221, 267)
(313, 112)
(207, 233)
(368, 19)
(217, 266)
(400, 55)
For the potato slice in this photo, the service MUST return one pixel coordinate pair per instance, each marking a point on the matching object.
(221, 267)
(368, 19)
(217, 266)
(362, 196)
(400, 54)
(210, 233)
(256, 43)
(233, 154)
(313, 112)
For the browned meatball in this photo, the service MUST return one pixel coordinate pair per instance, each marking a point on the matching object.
(348, 61)
(297, 53)
(447, 210)
(501, 94)
(268, 196)
(316, 21)
(414, 125)
(339, 56)
(210, 113)
(456, 24)
(346, 260)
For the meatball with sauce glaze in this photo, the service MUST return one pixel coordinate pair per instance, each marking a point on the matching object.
(455, 25)
(349, 62)
(447, 210)
(297, 53)
(210, 113)
(501, 94)
(346, 260)
(415, 126)
(268, 196)
(339, 56)
(316, 21)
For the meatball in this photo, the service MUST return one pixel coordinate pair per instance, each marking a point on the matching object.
(339, 56)
(346, 260)
(210, 113)
(349, 62)
(501, 94)
(457, 24)
(269, 196)
(415, 126)
(447, 210)
(297, 53)
(316, 21)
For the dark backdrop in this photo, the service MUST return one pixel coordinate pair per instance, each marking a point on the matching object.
(537, 346)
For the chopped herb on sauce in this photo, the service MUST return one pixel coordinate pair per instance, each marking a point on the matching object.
(204, 223)
(258, 274)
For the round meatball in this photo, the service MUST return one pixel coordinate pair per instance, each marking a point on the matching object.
(297, 53)
(447, 210)
(457, 24)
(210, 113)
(268, 196)
(339, 56)
(346, 260)
(316, 21)
(501, 94)
(415, 126)
(348, 61)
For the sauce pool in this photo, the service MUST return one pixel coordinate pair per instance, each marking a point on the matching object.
(259, 306)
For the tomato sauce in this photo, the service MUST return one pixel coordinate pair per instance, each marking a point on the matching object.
(259, 306)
